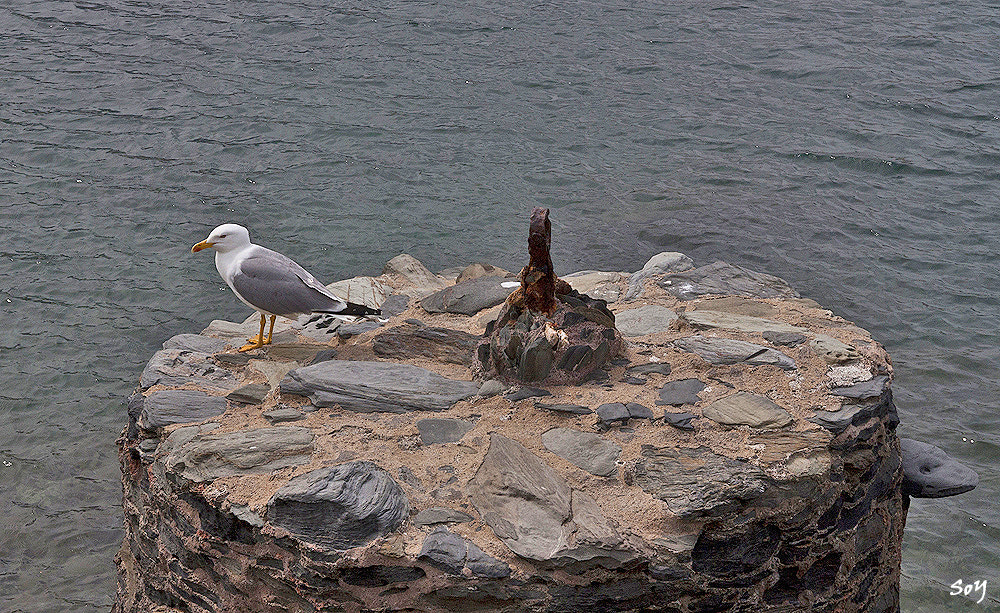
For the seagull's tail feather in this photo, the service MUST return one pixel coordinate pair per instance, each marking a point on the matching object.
(351, 308)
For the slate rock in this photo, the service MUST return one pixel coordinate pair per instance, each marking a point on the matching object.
(574, 409)
(648, 319)
(634, 380)
(440, 515)
(340, 507)
(408, 268)
(611, 412)
(252, 393)
(277, 416)
(200, 455)
(698, 482)
(442, 430)
(584, 450)
(832, 350)
(662, 368)
(454, 554)
(682, 391)
(526, 392)
(380, 576)
(376, 386)
(856, 413)
(929, 472)
(662, 263)
(537, 515)
(321, 356)
(681, 421)
(730, 351)
(345, 331)
(442, 344)
(468, 297)
(232, 359)
(536, 361)
(302, 353)
(727, 279)
(787, 339)
(196, 343)
(395, 304)
(166, 407)
(177, 367)
(872, 388)
(638, 411)
(707, 319)
(746, 409)
(368, 291)
(596, 283)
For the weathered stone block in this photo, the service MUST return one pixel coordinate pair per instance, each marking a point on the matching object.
(341, 507)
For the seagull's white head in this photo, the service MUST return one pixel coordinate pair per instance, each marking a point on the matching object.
(225, 238)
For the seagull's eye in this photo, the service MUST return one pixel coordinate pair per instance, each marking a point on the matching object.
(222, 236)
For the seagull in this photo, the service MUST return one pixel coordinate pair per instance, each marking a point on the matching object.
(269, 282)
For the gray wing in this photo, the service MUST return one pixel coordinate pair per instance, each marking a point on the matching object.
(274, 283)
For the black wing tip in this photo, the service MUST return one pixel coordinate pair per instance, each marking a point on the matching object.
(358, 309)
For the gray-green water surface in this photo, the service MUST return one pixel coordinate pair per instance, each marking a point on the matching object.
(850, 147)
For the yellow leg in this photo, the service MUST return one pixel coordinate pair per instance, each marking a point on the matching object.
(256, 343)
(269, 330)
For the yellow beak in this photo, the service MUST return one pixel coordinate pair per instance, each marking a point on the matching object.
(200, 246)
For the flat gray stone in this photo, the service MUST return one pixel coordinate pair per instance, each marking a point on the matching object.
(178, 367)
(252, 393)
(585, 450)
(638, 411)
(573, 409)
(201, 457)
(456, 555)
(681, 421)
(232, 330)
(440, 515)
(661, 368)
(408, 268)
(727, 279)
(662, 263)
(442, 344)
(376, 386)
(833, 350)
(872, 388)
(166, 407)
(648, 319)
(597, 283)
(929, 472)
(277, 416)
(395, 304)
(346, 331)
(730, 351)
(368, 291)
(682, 391)
(196, 342)
(435, 431)
(698, 482)
(611, 412)
(340, 507)
(537, 515)
(706, 319)
(746, 409)
(468, 297)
